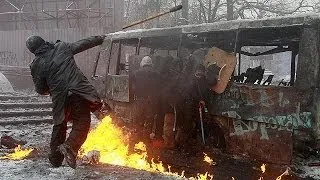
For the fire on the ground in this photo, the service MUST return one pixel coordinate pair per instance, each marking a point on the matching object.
(108, 144)
(112, 147)
(18, 154)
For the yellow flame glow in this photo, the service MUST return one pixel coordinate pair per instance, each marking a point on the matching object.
(263, 168)
(204, 176)
(208, 159)
(18, 154)
(111, 143)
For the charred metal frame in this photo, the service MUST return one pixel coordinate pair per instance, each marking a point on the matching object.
(239, 63)
(294, 54)
(138, 47)
(119, 58)
(278, 49)
(94, 74)
(255, 119)
(109, 58)
(179, 46)
(236, 50)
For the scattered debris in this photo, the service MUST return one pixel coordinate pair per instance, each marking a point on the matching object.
(208, 160)
(92, 157)
(10, 142)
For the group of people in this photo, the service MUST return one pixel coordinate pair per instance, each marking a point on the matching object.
(158, 96)
(167, 104)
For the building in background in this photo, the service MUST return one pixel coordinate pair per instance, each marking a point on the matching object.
(64, 20)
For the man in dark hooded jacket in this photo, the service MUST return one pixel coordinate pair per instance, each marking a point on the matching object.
(54, 71)
(146, 84)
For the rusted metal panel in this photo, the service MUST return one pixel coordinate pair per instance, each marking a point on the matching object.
(259, 121)
(309, 59)
(117, 88)
(260, 141)
(122, 110)
(281, 106)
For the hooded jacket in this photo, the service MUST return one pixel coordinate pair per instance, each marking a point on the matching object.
(55, 72)
(146, 82)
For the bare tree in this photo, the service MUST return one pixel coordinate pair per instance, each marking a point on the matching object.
(217, 10)
(268, 8)
(207, 11)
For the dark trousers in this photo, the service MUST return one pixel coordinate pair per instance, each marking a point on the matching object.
(147, 111)
(78, 112)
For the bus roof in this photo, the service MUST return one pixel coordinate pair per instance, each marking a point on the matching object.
(234, 25)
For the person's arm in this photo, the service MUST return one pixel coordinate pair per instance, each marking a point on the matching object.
(86, 43)
(39, 81)
(40, 84)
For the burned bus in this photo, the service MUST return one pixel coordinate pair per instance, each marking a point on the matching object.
(270, 105)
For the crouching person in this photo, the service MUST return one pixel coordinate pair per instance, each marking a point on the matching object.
(54, 71)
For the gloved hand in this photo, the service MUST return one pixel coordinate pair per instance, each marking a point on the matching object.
(104, 111)
(213, 74)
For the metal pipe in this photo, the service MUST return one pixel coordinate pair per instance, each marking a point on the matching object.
(108, 68)
(293, 67)
(239, 63)
(236, 42)
(118, 59)
(96, 65)
(138, 47)
(109, 58)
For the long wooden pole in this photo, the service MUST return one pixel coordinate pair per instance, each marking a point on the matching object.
(174, 9)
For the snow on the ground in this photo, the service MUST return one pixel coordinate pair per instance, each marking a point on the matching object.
(31, 169)
(311, 172)
(38, 167)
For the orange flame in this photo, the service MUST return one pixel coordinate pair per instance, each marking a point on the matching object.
(18, 154)
(111, 143)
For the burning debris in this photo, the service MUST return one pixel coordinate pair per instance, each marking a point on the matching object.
(18, 154)
(208, 160)
(108, 144)
(10, 142)
(14, 148)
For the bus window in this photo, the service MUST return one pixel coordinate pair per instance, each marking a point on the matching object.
(259, 65)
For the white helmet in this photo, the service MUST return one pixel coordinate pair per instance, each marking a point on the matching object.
(146, 61)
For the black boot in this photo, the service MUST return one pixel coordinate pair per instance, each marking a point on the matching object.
(56, 159)
(69, 155)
